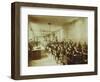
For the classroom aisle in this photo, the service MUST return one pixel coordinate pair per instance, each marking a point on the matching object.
(48, 60)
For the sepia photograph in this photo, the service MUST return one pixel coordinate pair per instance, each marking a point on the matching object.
(57, 40)
(53, 40)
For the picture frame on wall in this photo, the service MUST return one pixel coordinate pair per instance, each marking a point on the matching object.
(53, 40)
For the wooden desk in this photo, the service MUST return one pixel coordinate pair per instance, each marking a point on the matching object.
(34, 55)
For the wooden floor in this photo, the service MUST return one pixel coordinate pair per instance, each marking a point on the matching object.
(47, 60)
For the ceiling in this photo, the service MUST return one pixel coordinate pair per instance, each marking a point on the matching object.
(57, 20)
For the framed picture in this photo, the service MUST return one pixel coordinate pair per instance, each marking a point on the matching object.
(51, 40)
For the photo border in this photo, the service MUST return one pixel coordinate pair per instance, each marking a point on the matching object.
(15, 39)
